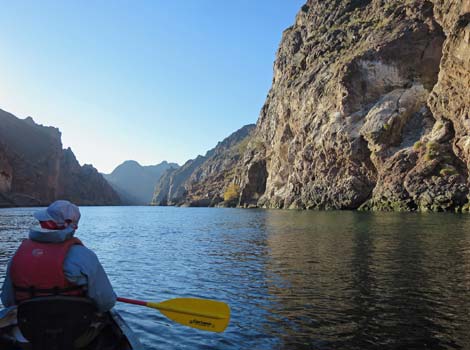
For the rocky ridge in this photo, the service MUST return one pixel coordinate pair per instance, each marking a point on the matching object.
(35, 170)
(203, 181)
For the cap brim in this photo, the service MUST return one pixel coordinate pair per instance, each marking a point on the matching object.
(42, 215)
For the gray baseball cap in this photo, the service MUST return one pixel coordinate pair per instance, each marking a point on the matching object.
(60, 211)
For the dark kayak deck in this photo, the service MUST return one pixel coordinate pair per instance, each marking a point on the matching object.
(116, 335)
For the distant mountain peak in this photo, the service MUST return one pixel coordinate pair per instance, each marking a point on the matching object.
(134, 182)
(129, 163)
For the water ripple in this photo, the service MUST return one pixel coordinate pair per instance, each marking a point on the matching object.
(294, 280)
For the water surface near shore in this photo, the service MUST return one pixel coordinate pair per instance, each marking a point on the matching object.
(294, 280)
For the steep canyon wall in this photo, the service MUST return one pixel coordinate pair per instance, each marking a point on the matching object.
(369, 108)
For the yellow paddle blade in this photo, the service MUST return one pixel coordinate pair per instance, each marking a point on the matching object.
(208, 315)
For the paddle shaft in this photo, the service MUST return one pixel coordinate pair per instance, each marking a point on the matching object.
(132, 301)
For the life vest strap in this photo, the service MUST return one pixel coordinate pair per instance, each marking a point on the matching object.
(50, 291)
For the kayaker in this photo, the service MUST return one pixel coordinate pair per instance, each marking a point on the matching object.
(53, 262)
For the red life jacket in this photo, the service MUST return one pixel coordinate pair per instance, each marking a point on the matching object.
(37, 270)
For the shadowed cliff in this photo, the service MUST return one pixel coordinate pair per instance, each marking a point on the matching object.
(35, 170)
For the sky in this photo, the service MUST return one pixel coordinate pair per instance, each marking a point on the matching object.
(143, 80)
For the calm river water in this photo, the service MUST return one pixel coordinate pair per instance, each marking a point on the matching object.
(294, 280)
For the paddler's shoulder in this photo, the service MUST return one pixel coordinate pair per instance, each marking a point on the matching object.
(81, 256)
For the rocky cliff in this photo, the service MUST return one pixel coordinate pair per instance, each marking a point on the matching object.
(369, 108)
(135, 183)
(35, 170)
(204, 181)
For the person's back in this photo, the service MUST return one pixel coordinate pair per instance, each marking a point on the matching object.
(53, 262)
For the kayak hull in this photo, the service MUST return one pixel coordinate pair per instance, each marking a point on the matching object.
(132, 340)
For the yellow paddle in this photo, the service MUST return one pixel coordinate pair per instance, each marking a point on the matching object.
(208, 315)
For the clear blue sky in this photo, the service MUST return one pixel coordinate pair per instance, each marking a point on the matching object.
(144, 80)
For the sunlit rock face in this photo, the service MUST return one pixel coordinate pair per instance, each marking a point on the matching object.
(35, 170)
(369, 109)
(449, 101)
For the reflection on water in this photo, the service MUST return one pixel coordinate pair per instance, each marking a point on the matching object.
(378, 281)
(294, 280)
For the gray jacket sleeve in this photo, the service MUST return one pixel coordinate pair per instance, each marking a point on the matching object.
(8, 294)
(82, 267)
